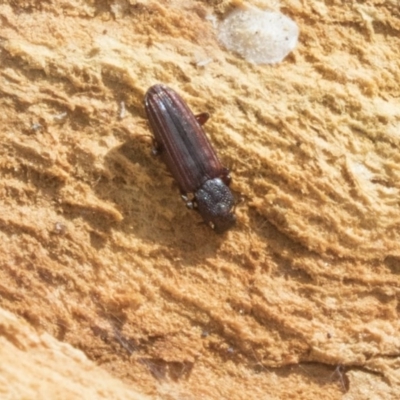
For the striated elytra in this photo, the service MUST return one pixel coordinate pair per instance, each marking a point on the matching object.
(188, 154)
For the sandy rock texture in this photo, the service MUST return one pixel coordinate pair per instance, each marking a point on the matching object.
(98, 253)
(38, 366)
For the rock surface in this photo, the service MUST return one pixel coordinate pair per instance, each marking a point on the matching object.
(98, 253)
(37, 366)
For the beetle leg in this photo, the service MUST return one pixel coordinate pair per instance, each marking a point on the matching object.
(202, 118)
(226, 177)
(156, 149)
(184, 197)
(191, 204)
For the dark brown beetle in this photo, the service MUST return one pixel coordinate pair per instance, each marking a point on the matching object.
(184, 147)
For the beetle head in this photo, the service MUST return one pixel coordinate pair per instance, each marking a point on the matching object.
(215, 203)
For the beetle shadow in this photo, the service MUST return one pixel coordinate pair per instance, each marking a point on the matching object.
(138, 183)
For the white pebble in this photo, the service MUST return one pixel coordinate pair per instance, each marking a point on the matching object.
(261, 37)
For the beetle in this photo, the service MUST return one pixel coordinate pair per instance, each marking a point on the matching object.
(189, 156)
